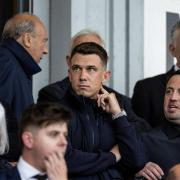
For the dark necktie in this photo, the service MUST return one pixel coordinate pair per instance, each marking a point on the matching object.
(40, 177)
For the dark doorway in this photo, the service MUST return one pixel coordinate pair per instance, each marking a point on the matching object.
(10, 7)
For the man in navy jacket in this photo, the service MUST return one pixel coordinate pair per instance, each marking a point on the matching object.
(101, 141)
(23, 45)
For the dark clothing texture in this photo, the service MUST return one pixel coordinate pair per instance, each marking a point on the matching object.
(4, 164)
(162, 145)
(92, 134)
(10, 174)
(148, 98)
(16, 70)
(55, 92)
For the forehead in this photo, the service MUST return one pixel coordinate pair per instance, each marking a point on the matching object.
(89, 59)
(40, 28)
(174, 81)
(61, 127)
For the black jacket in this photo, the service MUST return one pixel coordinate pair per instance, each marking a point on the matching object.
(55, 92)
(148, 98)
(92, 134)
(16, 70)
(162, 145)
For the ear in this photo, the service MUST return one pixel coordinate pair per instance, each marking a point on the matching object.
(28, 140)
(68, 60)
(26, 40)
(107, 75)
(172, 49)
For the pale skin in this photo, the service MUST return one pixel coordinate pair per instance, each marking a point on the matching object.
(44, 149)
(151, 171)
(56, 166)
(87, 74)
(35, 42)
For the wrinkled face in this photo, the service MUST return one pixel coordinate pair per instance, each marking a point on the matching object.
(47, 140)
(87, 73)
(172, 100)
(39, 43)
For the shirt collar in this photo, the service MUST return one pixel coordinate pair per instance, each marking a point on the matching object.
(176, 68)
(26, 171)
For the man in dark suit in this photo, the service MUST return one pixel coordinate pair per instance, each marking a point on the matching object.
(147, 99)
(163, 143)
(43, 131)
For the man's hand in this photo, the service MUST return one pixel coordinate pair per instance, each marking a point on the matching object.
(116, 152)
(108, 102)
(151, 171)
(56, 167)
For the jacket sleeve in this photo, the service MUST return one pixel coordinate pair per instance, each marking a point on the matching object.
(140, 101)
(87, 163)
(7, 77)
(131, 147)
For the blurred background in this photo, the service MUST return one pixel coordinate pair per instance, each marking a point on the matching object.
(136, 34)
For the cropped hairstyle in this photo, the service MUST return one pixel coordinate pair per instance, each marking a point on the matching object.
(172, 74)
(88, 48)
(42, 115)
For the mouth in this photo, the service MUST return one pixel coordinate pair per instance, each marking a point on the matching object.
(82, 86)
(172, 107)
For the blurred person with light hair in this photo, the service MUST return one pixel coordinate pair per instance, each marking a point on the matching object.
(4, 142)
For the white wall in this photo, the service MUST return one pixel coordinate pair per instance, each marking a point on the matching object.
(41, 9)
(155, 34)
(134, 32)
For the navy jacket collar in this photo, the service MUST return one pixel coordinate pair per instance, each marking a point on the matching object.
(23, 57)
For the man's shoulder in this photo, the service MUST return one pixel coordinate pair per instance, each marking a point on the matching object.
(10, 174)
(59, 85)
(153, 79)
(54, 91)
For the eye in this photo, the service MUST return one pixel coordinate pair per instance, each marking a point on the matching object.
(91, 69)
(168, 91)
(76, 68)
(54, 133)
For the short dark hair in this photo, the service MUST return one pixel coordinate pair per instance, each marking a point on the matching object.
(171, 75)
(43, 114)
(91, 48)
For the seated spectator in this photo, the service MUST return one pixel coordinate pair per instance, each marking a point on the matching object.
(163, 143)
(174, 173)
(148, 96)
(4, 143)
(102, 143)
(43, 131)
(55, 91)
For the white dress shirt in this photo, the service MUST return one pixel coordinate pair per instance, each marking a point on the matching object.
(26, 171)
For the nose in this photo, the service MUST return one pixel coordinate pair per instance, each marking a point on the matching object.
(83, 75)
(63, 141)
(45, 50)
(174, 95)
